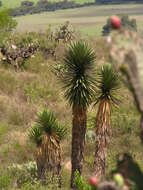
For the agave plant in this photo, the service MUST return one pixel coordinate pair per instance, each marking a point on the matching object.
(47, 133)
(107, 84)
(79, 85)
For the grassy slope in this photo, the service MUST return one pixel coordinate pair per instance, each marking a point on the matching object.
(22, 94)
(88, 20)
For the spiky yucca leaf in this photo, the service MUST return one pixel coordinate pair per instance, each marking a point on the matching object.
(35, 134)
(79, 78)
(108, 84)
(48, 124)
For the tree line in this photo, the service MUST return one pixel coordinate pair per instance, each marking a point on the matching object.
(28, 7)
(117, 1)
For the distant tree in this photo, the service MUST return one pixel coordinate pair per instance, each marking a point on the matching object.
(117, 1)
(27, 3)
(0, 3)
(7, 24)
(126, 23)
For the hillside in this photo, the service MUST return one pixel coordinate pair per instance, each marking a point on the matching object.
(30, 83)
(25, 92)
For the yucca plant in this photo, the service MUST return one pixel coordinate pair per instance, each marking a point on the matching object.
(78, 83)
(107, 84)
(47, 133)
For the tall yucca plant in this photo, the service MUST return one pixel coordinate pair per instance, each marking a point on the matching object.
(107, 84)
(47, 134)
(78, 83)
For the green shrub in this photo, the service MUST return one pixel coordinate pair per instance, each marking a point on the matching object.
(38, 186)
(80, 183)
(30, 186)
(26, 177)
(59, 69)
(47, 42)
(5, 182)
(35, 91)
(7, 24)
(24, 173)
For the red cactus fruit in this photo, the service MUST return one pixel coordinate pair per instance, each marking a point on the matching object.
(93, 181)
(115, 22)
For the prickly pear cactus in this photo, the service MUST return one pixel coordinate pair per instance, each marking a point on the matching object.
(126, 52)
(122, 44)
(65, 33)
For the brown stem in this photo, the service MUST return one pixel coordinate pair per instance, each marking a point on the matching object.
(78, 141)
(103, 131)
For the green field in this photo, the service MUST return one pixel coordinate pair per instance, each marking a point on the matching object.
(88, 20)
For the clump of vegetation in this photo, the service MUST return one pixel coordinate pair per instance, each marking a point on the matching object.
(24, 173)
(80, 182)
(17, 48)
(65, 32)
(47, 43)
(5, 182)
(7, 24)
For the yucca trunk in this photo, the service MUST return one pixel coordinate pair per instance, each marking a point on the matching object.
(78, 141)
(103, 132)
(40, 160)
(49, 159)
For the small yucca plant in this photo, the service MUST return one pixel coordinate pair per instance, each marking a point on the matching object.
(107, 90)
(47, 134)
